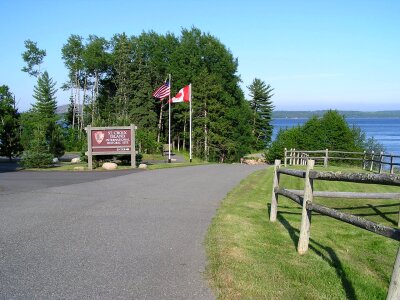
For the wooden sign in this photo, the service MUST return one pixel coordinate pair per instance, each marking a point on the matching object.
(111, 140)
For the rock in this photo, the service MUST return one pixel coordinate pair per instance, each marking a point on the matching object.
(79, 168)
(109, 166)
(55, 160)
(253, 161)
(75, 160)
(142, 166)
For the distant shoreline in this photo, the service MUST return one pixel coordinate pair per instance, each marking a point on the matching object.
(348, 114)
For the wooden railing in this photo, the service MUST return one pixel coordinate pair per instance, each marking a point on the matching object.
(305, 199)
(370, 160)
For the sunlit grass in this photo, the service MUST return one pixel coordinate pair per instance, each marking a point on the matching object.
(252, 258)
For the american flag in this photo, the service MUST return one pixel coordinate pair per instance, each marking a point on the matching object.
(162, 91)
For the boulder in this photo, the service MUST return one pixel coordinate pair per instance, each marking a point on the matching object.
(253, 161)
(55, 160)
(142, 166)
(75, 160)
(109, 166)
(79, 168)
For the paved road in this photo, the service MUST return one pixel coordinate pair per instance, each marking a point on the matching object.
(136, 236)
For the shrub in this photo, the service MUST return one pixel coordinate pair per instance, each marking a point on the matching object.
(32, 159)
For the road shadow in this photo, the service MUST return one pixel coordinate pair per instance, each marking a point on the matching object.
(327, 254)
(7, 165)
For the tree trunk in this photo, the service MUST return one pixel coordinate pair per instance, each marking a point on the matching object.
(83, 101)
(159, 122)
(205, 132)
(184, 135)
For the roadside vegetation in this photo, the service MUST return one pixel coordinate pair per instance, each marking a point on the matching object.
(251, 258)
(111, 83)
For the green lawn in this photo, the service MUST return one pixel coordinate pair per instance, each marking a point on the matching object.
(251, 258)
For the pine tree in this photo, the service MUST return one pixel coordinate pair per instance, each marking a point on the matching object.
(46, 103)
(262, 107)
(10, 145)
(45, 110)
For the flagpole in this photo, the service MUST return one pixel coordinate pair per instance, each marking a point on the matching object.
(169, 120)
(190, 124)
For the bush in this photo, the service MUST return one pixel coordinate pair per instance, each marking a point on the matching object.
(32, 159)
(329, 132)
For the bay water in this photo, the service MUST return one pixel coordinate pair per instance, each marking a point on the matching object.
(385, 130)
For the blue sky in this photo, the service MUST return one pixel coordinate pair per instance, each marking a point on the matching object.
(315, 54)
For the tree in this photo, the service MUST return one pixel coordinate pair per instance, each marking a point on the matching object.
(72, 53)
(329, 132)
(96, 62)
(44, 93)
(45, 111)
(122, 65)
(10, 145)
(33, 57)
(261, 106)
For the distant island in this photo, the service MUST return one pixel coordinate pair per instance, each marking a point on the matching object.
(285, 114)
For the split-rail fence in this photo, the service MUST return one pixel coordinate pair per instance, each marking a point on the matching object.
(370, 160)
(305, 199)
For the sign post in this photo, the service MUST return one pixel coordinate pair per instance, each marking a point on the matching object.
(111, 140)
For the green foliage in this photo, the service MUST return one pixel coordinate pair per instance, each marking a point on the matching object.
(33, 57)
(261, 106)
(147, 141)
(372, 145)
(74, 139)
(10, 145)
(31, 159)
(56, 140)
(46, 103)
(329, 132)
(121, 75)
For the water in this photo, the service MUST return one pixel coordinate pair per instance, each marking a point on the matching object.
(385, 130)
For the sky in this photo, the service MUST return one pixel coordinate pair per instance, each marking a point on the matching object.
(315, 54)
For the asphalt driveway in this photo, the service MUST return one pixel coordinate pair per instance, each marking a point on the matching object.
(133, 236)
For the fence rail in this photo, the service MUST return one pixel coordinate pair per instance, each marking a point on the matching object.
(369, 159)
(305, 199)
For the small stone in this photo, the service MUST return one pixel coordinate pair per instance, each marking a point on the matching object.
(55, 160)
(75, 160)
(142, 166)
(109, 166)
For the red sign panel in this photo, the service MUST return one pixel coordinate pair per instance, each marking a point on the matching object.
(114, 140)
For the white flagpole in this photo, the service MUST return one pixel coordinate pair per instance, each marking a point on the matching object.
(190, 123)
(169, 120)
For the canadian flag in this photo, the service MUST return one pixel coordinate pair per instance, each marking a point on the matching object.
(184, 95)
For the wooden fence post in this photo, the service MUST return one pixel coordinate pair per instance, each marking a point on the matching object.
(372, 160)
(391, 164)
(394, 288)
(306, 214)
(89, 152)
(286, 157)
(365, 160)
(326, 158)
(380, 162)
(274, 199)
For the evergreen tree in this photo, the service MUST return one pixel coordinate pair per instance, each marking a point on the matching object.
(10, 145)
(261, 106)
(45, 111)
(122, 65)
(44, 93)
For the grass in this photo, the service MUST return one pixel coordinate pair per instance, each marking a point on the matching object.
(251, 258)
(66, 166)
